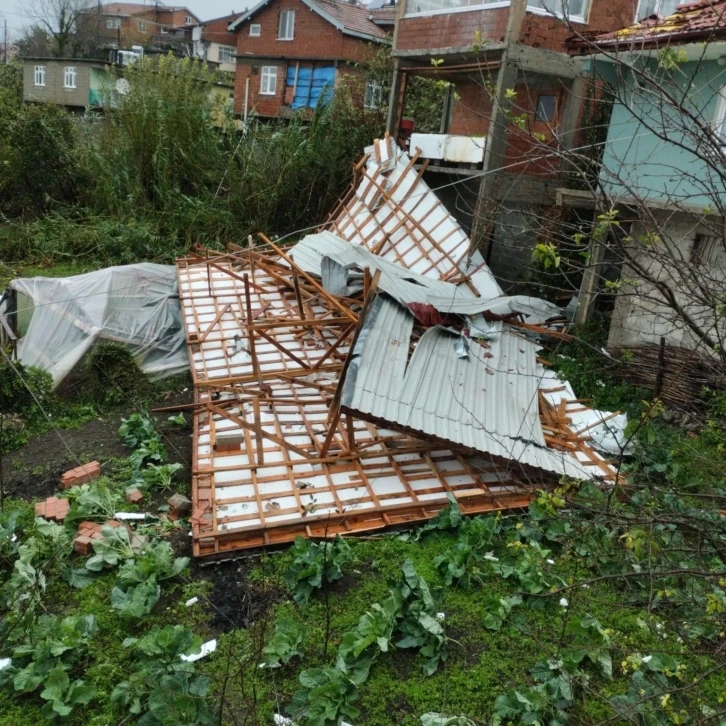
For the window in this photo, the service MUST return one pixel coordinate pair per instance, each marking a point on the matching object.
(188, 20)
(226, 54)
(374, 95)
(286, 29)
(426, 7)
(39, 78)
(268, 81)
(69, 77)
(142, 26)
(113, 23)
(646, 8)
(719, 126)
(546, 108)
(571, 9)
(164, 30)
(255, 30)
(704, 246)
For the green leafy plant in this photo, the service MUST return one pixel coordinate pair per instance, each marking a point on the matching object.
(50, 648)
(136, 430)
(438, 719)
(463, 563)
(315, 563)
(158, 478)
(62, 695)
(284, 644)
(137, 590)
(163, 689)
(498, 610)
(325, 698)
(95, 501)
(546, 703)
(446, 519)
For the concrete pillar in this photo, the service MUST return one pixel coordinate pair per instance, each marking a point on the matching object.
(497, 134)
(590, 285)
(396, 100)
(494, 154)
(569, 120)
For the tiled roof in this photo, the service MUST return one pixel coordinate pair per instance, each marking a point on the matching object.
(690, 22)
(355, 18)
(384, 16)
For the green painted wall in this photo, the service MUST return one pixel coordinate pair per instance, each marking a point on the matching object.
(649, 148)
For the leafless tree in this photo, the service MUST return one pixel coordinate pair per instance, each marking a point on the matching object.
(70, 24)
(639, 230)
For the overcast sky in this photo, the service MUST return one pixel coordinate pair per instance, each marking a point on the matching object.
(11, 10)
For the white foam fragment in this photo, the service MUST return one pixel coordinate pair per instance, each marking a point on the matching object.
(191, 601)
(209, 647)
(129, 515)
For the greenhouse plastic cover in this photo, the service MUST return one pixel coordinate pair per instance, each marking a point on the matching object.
(136, 305)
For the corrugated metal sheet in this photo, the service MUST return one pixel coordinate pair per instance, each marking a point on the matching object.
(326, 256)
(487, 401)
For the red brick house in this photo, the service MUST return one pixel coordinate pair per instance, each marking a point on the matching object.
(123, 24)
(292, 52)
(518, 47)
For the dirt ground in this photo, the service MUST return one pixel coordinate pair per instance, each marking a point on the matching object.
(34, 471)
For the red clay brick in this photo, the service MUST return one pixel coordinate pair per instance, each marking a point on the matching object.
(134, 495)
(81, 475)
(52, 508)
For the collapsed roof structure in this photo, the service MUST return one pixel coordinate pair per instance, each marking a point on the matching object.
(356, 380)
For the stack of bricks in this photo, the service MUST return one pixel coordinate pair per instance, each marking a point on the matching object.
(53, 508)
(81, 475)
(87, 532)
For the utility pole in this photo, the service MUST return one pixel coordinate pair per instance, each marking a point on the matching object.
(5, 41)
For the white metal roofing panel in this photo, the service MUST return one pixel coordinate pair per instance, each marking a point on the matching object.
(487, 401)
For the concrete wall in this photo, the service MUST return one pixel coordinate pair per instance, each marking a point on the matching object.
(53, 91)
(639, 319)
(636, 158)
(514, 237)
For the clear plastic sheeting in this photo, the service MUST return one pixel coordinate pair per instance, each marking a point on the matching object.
(136, 305)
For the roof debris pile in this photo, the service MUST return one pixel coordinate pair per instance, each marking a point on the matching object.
(357, 379)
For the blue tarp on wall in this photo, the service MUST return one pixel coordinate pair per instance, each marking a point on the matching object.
(312, 84)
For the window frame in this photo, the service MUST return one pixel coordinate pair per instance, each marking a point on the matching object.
(720, 119)
(286, 14)
(582, 19)
(550, 121)
(703, 249)
(451, 11)
(266, 74)
(259, 30)
(376, 91)
(39, 73)
(142, 26)
(70, 72)
(115, 22)
(231, 50)
(656, 8)
(188, 20)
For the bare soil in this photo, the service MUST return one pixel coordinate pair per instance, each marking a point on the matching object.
(34, 471)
